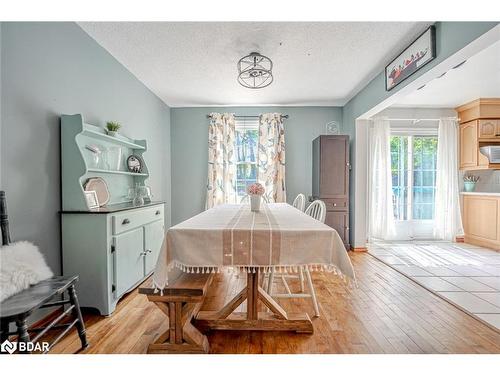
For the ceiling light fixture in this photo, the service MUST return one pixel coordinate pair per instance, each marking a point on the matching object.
(255, 71)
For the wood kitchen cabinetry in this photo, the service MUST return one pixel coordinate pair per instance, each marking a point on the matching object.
(331, 181)
(481, 220)
(479, 126)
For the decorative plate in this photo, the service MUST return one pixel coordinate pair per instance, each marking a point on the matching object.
(100, 187)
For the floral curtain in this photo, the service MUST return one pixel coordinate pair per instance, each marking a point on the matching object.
(221, 182)
(271, 156)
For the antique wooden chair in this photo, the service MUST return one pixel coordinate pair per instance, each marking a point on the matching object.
(47, 293)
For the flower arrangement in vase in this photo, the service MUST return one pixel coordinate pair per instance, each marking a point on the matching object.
(470, 182)
(256, 191)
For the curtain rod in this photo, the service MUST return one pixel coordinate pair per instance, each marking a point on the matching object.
(422, 119)
(284, 116)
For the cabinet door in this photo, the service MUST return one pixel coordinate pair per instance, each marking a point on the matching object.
(334, 168)
(154, 234)
(488, 128)
(481, 217)
(468, 145)
(128, 260)
(340, 222)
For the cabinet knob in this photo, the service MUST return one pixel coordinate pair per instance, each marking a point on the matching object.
(125, 221)
(335, 205)
(157, 212)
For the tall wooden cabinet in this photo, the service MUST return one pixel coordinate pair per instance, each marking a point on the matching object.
(330, 183)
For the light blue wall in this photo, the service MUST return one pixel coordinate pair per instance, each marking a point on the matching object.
(450, 38)
(49, 69)
(189, 132)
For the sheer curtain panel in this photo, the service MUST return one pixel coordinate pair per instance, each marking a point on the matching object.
(448, 220)
(381, 215)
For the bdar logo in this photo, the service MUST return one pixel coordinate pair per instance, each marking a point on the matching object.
(8, 347)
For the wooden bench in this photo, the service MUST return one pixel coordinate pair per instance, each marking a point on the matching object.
(180, 302)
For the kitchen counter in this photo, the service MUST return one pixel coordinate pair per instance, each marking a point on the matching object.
(480, 193)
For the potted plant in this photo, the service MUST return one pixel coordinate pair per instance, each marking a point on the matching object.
(112, 128)
(470, 182)
(256, 191)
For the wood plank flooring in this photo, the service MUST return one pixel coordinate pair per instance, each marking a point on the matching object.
(387, 313)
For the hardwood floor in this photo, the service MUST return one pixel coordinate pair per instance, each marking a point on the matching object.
(387, 313)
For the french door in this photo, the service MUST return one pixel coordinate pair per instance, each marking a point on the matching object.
(413, 167)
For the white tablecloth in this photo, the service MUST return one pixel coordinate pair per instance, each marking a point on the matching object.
(278, 237)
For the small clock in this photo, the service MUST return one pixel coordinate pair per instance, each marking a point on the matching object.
(135, 164)
(332, 128)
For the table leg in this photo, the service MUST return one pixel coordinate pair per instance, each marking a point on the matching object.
(252, 319)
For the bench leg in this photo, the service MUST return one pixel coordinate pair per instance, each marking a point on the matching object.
(182, 336)
(22, 332)
(77, 314)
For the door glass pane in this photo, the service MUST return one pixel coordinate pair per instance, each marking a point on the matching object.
(422, 157)
(424, 184)
(399, 170)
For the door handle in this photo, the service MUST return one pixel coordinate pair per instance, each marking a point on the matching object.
(125, 221)
(157, 212)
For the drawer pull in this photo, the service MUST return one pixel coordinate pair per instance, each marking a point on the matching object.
(125, 221)
(157, 212)
(335, 205)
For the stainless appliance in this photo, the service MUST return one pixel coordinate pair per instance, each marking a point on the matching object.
(491, 152)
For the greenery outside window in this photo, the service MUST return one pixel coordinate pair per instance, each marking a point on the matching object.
(413, 167)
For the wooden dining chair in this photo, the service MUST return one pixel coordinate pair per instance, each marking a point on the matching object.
(47, 293)
(316, 210)
(299, 202)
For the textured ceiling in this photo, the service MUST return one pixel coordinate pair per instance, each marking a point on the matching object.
(194, 63)
(479, 77)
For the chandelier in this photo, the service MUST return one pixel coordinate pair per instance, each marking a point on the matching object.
(255, 71)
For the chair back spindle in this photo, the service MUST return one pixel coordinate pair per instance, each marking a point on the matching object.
(299, 202)
(4, 219)
(317, 210)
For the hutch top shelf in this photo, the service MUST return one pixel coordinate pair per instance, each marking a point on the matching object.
(78, 162)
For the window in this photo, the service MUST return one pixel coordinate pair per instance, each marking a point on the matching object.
(413, 166)
(247, 140)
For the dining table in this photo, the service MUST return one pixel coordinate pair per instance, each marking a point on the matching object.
(232, 238)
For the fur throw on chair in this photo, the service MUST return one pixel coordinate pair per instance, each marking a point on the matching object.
(21, 265)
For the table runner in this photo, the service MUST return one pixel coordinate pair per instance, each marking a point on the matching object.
(279, 237)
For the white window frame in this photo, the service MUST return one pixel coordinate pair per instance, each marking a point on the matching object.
(247, 123)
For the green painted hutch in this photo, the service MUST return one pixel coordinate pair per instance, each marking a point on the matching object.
(115, 247)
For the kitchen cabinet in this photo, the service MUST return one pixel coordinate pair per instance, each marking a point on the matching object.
(481, 220)
(489, 129)
(470, 157)
(479, 126)
(330, 183)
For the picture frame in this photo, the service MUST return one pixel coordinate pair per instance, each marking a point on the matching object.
(418, 54)
(135, 164)
(91, 199)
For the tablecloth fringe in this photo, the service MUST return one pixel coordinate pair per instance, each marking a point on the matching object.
(238, 269)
